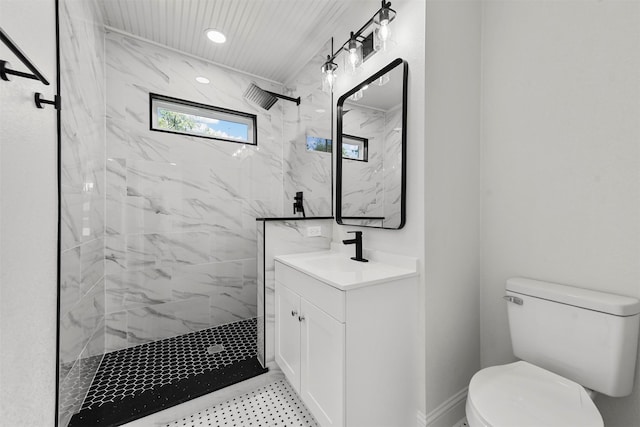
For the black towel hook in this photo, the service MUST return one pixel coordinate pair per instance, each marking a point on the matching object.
(40, 101)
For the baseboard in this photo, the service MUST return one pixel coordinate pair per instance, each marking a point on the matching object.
(422, 419)
(441, 416)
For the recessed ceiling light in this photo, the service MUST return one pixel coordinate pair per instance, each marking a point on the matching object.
(202, 80)
(215, 36)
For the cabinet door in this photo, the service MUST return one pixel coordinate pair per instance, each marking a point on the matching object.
(323, 360)
(288, 334)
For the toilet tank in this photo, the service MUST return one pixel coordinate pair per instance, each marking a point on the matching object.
(587, 336)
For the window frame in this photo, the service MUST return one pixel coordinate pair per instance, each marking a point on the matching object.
(363, 142)
(195, 108)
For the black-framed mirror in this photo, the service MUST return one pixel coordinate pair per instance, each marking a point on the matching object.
(371, 175)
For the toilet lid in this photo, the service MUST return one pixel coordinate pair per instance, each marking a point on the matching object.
(521, 394)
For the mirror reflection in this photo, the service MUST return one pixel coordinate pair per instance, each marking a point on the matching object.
(371, 132)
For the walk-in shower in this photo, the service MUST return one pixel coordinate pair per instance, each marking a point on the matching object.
(159, 250)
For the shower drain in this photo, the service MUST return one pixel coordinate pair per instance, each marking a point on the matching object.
(216, 348)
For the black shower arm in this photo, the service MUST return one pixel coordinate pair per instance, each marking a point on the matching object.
(288, 98)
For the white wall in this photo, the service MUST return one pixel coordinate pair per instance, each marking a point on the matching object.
(561, 157)
(409, 36)
(28, 215)
(451, 219)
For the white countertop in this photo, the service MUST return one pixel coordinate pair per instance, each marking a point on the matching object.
(336, 269)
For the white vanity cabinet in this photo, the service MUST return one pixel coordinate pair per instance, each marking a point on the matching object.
(310, 351)
(347, 352)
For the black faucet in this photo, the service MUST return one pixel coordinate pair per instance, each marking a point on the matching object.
(297, 204)
(358, 242)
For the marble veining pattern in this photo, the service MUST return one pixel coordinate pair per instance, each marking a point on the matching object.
(181, 239)
(362, 182)
(392, 176)
(373, 188)
(280, 238)
(158, 236)
(82, 284)
(308, 171)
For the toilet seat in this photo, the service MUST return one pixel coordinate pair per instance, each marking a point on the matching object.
(524, 395)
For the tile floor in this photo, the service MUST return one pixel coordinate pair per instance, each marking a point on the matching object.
(137, 381)
(132, 371)
(275, 404)
(253, 393)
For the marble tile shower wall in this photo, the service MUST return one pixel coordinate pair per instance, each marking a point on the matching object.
(372, 188)
(281, 238)
(308, 171)
(82, 285)
(260, 247)
(362, 182)
(181, 229)
(392, 160)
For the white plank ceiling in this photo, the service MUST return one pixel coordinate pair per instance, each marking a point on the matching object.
(268, 38)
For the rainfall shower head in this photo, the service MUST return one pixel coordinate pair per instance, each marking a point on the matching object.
(264, 98)
(261, 97)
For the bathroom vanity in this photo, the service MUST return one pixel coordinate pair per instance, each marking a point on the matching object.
(345, 335)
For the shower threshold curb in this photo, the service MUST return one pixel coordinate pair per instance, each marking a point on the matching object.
(163, 397)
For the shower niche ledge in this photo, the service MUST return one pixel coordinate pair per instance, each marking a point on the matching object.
(345, 335)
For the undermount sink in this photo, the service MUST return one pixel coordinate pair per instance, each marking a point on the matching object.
(335, 268)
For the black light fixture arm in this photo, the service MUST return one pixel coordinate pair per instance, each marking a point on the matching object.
(358, 34)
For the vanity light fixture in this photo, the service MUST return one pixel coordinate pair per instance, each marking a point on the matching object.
(202, 80)
(328, 74)
(353, 58)
(382, 19)
(383, 80)
(357, 96)
(353, 48)
(215, 36)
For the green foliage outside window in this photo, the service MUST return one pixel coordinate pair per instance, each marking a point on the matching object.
(175, 121)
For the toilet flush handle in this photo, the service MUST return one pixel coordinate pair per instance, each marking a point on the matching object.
(513, 299)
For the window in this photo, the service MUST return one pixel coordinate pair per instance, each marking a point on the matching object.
(190, 118)
(355, 148)
(315, 143)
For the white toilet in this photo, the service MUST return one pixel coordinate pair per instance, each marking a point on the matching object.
(573, 342)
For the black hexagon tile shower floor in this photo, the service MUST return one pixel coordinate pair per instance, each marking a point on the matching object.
(133, 371)
(138, 381)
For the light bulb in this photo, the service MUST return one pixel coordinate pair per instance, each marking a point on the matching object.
(331, 78)
(384, 32)
(328, 74)
(328, 80)
(353, 59)
(353, 56)
(383, 20)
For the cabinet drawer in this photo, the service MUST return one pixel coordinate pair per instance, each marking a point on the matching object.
(325, 297)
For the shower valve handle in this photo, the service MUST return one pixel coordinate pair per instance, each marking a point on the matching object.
(294, 313)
